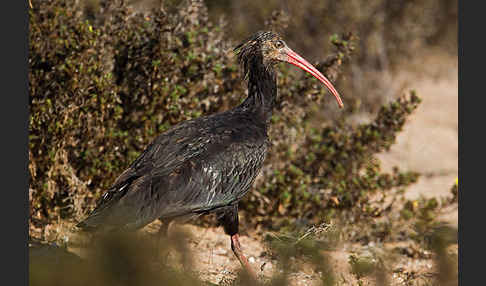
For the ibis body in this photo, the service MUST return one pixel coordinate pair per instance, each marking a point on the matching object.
(205, 164)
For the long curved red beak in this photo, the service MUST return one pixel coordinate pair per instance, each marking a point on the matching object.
(300, 62)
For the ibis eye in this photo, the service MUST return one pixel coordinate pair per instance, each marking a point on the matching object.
(280, 44)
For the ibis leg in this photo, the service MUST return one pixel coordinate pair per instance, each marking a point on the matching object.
(228, 217)
(163, 233)
(236, 247)
(164, 228)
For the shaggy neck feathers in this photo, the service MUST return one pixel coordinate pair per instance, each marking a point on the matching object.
(262, 88)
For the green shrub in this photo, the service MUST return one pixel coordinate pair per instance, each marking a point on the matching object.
(335, 169)
(100, 93)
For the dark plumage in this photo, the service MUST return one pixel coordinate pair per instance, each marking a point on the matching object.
(206, 164)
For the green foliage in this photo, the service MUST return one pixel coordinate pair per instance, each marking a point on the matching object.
(100, 92)
(361, 266)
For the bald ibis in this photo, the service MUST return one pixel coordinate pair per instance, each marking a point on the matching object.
(206, 164)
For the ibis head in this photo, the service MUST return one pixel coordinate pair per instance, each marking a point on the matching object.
(269, 48)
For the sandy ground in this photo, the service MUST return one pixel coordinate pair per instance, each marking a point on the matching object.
(214, 261)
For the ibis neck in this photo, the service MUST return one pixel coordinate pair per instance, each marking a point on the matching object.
(262, 91)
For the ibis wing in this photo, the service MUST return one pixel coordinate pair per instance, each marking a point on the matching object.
(166, 151)
(192, 168)
(219, 176)
(163, 154)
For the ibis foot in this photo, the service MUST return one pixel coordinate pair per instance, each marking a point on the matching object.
(236, 247)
